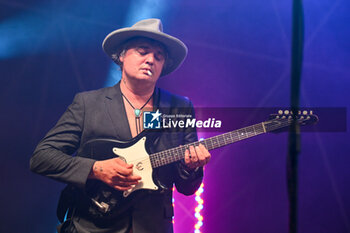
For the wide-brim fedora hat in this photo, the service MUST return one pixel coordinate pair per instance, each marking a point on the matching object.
(152, 29)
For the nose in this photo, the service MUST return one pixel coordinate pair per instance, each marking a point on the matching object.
(150, 59)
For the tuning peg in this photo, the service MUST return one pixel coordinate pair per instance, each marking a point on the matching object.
(286, 112)
(304, 112)
(280, 112)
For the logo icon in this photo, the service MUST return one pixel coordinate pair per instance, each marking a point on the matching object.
(151, 120)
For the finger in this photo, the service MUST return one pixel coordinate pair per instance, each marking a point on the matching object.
(125, 183)
(129, 179)
(200, 154)
(201, 157)
(122, 163)
(187, 157)
(129, 176)
(205, 152)
(193, 154)
(132, 178)
(123, 171)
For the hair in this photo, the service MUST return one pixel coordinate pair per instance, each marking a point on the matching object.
(116, 57)
(127, 45)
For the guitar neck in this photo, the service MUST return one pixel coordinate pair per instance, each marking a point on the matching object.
(178, 153)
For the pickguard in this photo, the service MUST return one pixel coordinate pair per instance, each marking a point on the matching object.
(138, 156)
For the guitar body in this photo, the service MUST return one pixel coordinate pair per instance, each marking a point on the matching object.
(132, 152)
(135, 151)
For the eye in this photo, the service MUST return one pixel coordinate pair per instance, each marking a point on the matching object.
(160, 56)
(141, 51)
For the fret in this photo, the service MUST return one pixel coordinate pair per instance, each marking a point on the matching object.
(163, 157)
(239, 135)
(247, 130)
(227, 139)
(210, 146)
(220, 139)
(156, 161)
(177, 153)
(223, 139)
(168, 157)
(204, 142)
(232, 140)
(212, 142)
(245, 133)
(254, 129)
(253, 133)
(250, 132)
(217, 141)
(172, 155)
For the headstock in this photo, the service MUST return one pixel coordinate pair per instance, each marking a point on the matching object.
(284, 118)
(303, 117)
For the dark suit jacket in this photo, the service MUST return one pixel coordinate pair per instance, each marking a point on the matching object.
(101, 114)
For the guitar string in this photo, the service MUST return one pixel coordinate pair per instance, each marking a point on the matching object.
(152, 157)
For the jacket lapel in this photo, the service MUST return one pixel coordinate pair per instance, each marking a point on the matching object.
(162, 101)
(116, 110)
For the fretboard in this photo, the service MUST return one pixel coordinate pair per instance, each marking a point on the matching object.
(178, 153)
(175, 154)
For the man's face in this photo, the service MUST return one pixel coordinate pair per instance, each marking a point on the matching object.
(143, 60)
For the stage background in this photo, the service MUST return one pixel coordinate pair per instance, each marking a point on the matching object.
(239, 56)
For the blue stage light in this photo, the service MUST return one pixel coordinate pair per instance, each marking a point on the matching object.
(52, 27)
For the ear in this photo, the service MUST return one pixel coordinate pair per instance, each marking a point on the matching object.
(121, 58)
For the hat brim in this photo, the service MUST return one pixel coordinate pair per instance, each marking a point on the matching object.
(176, 49)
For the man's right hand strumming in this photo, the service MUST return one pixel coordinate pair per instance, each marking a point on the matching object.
(115, 172)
